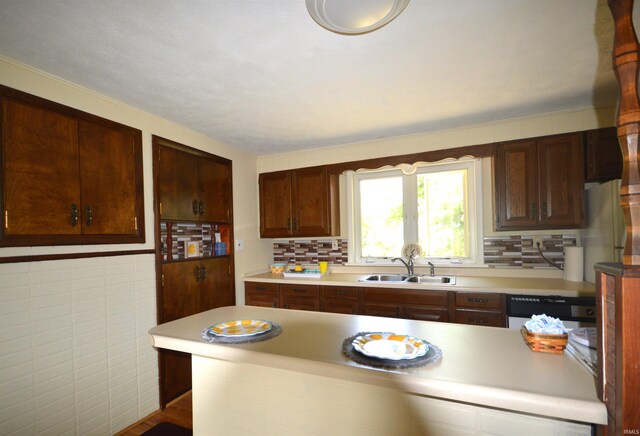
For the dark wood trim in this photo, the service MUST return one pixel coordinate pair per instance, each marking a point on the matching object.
(158, 140)
(45, 257)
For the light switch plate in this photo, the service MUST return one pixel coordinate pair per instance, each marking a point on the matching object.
(334, 244)
(239, 244)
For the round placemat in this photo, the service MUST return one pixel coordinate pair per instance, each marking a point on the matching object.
(210, 337)
(433, 355)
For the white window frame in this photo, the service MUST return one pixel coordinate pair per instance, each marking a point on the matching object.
(474, 209)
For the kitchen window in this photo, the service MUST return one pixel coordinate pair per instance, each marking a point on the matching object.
(431, 204)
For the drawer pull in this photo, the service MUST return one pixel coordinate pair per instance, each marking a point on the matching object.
(478, 300)
(341, 292)
(299, 290)
(478, 321)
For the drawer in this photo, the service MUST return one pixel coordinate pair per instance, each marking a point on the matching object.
(480, 300)
(300, 290)
(340, 292)
(261, 288)
(406, 296)
(481, 317)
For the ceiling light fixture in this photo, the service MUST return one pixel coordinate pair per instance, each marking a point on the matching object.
(354, 17)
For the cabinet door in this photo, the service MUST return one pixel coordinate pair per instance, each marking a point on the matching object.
(335, 305)
(177, 184)
(561, 181)
(299, 303)
(181, 295)
(41, 180)
(213, 190)
(603, 155)
(310, 202)
(216, 283)
(108, 180)
(388, 310)
(516, 196)
(275, 204)
(425, 313)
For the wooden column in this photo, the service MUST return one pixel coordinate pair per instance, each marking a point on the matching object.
(626, 55)
(618, 295)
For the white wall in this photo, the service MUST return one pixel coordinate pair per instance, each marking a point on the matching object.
(74, 354)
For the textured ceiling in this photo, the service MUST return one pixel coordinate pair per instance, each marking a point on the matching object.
(261, 75)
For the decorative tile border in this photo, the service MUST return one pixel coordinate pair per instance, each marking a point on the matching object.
(310, 252)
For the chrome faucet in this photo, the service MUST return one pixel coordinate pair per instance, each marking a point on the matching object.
(409, 265)
(432, 269)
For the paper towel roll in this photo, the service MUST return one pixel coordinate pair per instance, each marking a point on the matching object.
(573, 263)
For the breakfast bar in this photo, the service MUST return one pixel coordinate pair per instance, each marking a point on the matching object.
(300, 382)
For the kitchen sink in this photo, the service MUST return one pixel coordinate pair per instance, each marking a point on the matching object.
(404, 278)
(442, 280)
(394, 278)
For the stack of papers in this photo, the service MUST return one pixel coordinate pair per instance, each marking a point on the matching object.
(582, 346)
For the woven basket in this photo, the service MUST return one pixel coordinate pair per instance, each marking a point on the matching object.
(545, 343)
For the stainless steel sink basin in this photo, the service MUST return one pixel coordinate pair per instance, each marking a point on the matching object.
(404, 278)
(442, 280)
(398, 278)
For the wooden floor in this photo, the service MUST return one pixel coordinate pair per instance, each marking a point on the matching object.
(177, 412)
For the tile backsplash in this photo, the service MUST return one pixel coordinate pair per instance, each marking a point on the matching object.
(499, 251)
(520, 252)
(310, 252)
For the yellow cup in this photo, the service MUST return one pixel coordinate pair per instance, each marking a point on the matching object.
(323, 267)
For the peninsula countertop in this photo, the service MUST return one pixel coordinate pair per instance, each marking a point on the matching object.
(485, 366)
(507, 285)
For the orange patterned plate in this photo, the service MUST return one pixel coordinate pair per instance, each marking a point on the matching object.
(390, 346)
(241, 327)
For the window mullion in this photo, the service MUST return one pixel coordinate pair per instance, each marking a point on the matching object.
(410, 205)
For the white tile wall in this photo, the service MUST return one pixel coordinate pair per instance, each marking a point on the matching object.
(74, 353)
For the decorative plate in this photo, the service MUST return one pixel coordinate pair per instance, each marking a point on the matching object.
(412, 251)
(241, 327)
(390, 346)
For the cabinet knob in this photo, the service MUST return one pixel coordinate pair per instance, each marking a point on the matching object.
(197, 272)
(200, 208)
(203, 273)
(544, 209)
(194, 207)
(88, 216)
(478, 300)
(533, 210)
(74, 214)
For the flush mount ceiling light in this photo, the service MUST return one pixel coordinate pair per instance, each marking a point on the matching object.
(354, 17)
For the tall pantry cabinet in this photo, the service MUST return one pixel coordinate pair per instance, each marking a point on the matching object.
(194, 228)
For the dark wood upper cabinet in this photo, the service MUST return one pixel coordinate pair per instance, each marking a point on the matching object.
(603, 155)
(299, 203)
(192, 185)
(539, 183)
(68, 177)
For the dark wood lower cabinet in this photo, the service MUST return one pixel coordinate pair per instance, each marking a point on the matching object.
(189, 287)
(477, 308)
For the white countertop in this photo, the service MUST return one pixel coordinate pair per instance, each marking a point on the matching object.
(507, 285)
(486, 366)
